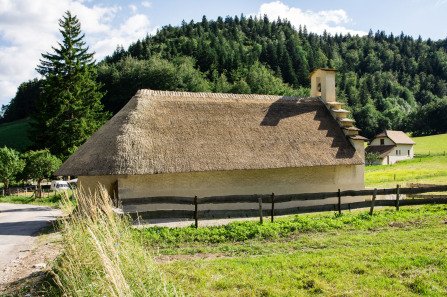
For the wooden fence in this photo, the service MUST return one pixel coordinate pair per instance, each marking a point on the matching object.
(276, 200)
(431, 196)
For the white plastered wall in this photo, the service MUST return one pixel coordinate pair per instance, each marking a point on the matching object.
(237, 182)
(387, 141)
(401, 152)
(326, 79)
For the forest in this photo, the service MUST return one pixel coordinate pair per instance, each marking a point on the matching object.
(387, 81)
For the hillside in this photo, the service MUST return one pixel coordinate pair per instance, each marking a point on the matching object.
(15, 135)
(389, 82)
(385, 79)
(434, 144)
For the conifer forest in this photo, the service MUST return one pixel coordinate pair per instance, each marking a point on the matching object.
(387, 81)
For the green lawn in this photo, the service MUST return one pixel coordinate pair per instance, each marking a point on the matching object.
(429, 170)
(434, 144)
(398, 254)
(15, 135)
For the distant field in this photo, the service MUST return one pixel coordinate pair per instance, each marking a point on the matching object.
(14, 135)
(428, 170)
(434, 144)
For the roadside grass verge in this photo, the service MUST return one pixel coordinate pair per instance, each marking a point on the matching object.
(101, 257)
(52, 201)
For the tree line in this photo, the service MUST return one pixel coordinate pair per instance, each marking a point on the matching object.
(387, 81)
(36, 165)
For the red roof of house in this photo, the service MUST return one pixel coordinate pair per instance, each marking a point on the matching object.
(398, 137)
(383, 150)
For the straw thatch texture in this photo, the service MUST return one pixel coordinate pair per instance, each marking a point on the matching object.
(170, 132)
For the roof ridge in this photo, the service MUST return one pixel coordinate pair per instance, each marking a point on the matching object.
(149, 92)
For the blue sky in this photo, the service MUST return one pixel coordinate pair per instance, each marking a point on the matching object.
(30, 27)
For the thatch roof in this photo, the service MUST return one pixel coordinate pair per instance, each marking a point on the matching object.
(383, 150)
(398, 137)
(168, 132)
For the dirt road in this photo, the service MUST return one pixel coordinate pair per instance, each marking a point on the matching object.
(19, 225)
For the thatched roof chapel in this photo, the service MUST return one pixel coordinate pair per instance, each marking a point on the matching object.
(172, 132)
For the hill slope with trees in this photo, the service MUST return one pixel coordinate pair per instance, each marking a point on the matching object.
(389, 82)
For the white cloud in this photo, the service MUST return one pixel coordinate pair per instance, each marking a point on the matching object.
(146, 4)
(133, 8)
(136, 27)
(30, 27)
(330, 20)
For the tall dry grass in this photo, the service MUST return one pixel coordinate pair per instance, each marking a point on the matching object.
(101, 256)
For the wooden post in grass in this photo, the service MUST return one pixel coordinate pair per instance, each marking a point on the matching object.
(196, 215)
(373, 200)
(273, 206)
(397, 197)
(261, 219)
(339, 201)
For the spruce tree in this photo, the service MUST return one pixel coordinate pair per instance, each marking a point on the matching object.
(69, 109)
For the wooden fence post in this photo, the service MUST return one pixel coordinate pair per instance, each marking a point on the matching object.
(373, 200)
(397, 197)
(196, 214)
(261, 219)
(339, 201)
(273, 206)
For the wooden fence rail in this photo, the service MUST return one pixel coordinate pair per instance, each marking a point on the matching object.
(274, 200)
(266, 198)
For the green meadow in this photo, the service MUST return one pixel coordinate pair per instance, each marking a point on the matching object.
(427, 169)
(434, 144)
(15, 135)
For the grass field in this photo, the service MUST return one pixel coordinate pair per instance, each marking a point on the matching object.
(390, 254)
(15, 135)
(429, 170)
(434, 144)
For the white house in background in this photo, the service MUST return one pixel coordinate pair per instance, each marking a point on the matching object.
(393, 146)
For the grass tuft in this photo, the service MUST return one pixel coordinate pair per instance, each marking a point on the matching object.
(101, 255)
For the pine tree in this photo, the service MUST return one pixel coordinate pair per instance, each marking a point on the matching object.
(69, 109)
